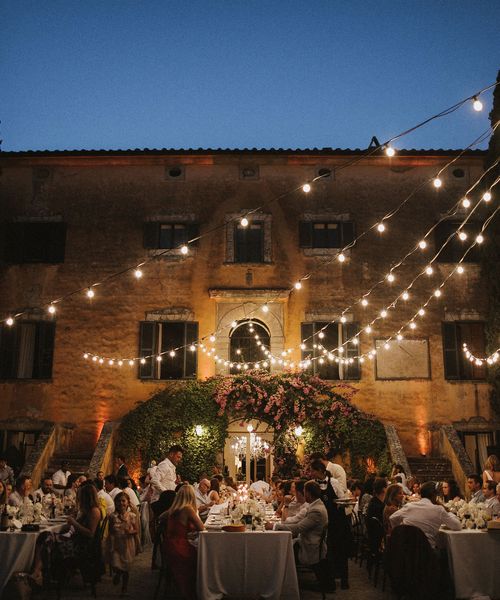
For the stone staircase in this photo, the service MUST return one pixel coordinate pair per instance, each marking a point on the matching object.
(78, 463)
(430, 469)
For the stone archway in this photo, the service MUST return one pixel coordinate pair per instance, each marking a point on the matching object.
(243, 346)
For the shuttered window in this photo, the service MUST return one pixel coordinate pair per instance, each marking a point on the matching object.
(26, 350)
(169, 235)
(249, 243)
(34, 242)
(456, 365)
(334, 335)
(329, 234)
(155, 338)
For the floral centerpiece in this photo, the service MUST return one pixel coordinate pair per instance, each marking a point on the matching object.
(244, 508)
(472, 515)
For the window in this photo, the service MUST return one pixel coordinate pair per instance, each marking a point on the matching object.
(244, 347)
(334, 335)
(26, 350)
(455, 248)
(249, 243)
(169, 235)
(456, 364)
(325, 234)
(163, 337)
(34, 242)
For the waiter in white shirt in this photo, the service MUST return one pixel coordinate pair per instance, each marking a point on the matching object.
(165, 475)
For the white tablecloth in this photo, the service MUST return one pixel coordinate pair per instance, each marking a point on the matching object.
(17, 551)
(474, 559)
(250, 564)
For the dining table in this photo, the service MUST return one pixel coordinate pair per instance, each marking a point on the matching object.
(245, 564)
(17, 549)
(474, 561)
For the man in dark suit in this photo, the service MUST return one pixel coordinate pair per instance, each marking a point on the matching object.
(121, 471)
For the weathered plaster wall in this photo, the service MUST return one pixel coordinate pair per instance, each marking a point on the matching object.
(104, 201)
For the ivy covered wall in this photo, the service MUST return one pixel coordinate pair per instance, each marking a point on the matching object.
(283, 401)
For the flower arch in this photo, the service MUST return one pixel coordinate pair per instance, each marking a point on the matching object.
(284, 401)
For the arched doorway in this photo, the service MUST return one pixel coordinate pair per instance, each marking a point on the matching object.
(246, 342)
(248, 452)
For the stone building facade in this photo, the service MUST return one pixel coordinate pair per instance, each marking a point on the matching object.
(72, 219)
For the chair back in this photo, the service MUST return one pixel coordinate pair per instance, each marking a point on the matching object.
(411, 563)
(375, 534)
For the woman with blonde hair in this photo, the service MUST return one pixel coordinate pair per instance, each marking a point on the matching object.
(491, 469)
(393, 501)
(182, 520)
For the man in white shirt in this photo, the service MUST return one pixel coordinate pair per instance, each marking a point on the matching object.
(60, 478)
(104, 496)
(475, 483)
(21, 494)
(260, 487)
(165, 475)
(45, 491)
(297, 509)
(318, 472)
(426, 514)
(336, 471)
(203, 502)
(490, 499)
(110, 486)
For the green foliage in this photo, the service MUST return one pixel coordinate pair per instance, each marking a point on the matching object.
(284, 401)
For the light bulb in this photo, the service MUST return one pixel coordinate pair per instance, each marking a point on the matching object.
(120, 363)
(192, 347)
(198, 430)
(422, 244)
(302, 346)
(111, 362)
(466, 202)
(460, 269)
(364, 302)
(85, 355)
(212, 338)
(94, 359)
(244, 222)
(368, 329)
(421, 312)
(340, 350)
(479, 240)
(413, 325)
(405, 295)
(249, 428)
(399, 337)
(130, 363)
(386, 346)
(390, 278)
(298, 431)
(184, 250)
(90, 293)
(355, 341)
(159, 358)
(306, 188)
(380, 227)
(477, 105)
(233, 324)
(9, 322)
(437, 183)
(238, 351)
(341, 257)
(245, 366)
(265, 308)
(429, 270)
(390, 151)
(321, 361)
(437, 293)
(487, 196)
(138, 273)
(383, 313)
(297, 285)
(321, 335)
(101, 360)
(361, 359)
(343, 319)
(143, 361)
(52, 309)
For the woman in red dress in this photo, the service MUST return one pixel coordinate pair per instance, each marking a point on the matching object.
(182, 520)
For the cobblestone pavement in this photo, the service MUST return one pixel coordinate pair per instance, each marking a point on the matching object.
(143, 583)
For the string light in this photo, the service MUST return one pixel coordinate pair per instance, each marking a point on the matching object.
(477, 104)
(297, 285)
(422, 244)
(421, 312)
(212, 338)
(383, 313)
(306, 188)
(490, 359)
(341, 257)
(138, 273)
(265, 308)
(437, 183)
(487, 196)
(437, 293)
(380, 227)
(364, 302)
(399, 337)
(51, 309)
(413, 325)
(462, 235)
(9, 321)
(390, 278)
(244, 222)
(429, 270)
(405, 295)
(159, 358)
(460, 269)
(90, 293)
(184, 250)
(389, 150)
(479, 239)
(130, 363)
(466, 202)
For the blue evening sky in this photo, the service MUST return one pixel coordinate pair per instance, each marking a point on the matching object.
(242, 73)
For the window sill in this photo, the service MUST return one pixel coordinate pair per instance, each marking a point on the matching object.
(249, 264)
(26, 381)
(173, 254)
(455, 381)
(324, 252)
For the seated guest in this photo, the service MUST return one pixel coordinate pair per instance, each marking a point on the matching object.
(214, 492)
(182, 520)
(366, 494)
(60, 477)
(6, 473)
(491, 469)
(110, 485)
(393, 501)
(3, 495)
(21, 494)
(491, 500)
(376, 505)
(474, 483)
(45, 491)
(310, 528)
(72, 485)
(426, 514)
(104, 498)
(125, 486)
(450, 490)
(414, 487)
(230, 484)
(297, 508)
(284, 496)
(203, 502)
(260, 487)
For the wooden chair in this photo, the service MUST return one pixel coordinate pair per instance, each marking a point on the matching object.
(164, 573)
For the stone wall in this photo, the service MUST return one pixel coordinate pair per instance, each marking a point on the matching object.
(104, 199)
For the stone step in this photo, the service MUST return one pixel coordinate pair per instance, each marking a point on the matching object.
(430, 469)
(77, 463)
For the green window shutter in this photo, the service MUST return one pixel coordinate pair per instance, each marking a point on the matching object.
(151, 234)
(305, 234)
(193, 231)
(347, 232)
(450, 351)
(7, 352)
(147, 344)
